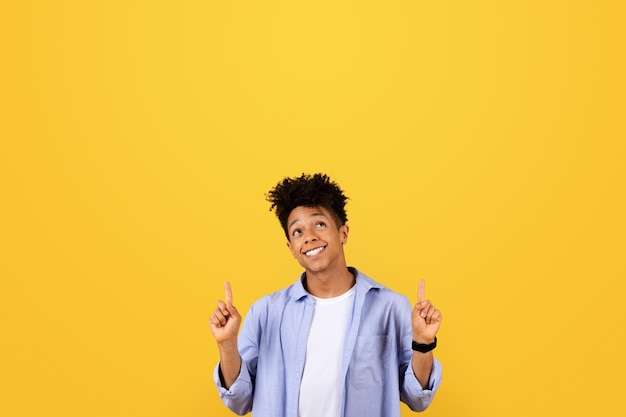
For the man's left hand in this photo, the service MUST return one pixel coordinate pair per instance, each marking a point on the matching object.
(425, 318)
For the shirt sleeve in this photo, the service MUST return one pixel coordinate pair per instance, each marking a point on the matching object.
(412, 393)
(238, 397)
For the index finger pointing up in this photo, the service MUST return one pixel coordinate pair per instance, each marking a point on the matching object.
(229, 293)
(420, 291)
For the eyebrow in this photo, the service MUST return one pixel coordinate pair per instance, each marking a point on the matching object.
(316, 214)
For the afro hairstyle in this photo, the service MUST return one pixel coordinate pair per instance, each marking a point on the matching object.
(315, 190)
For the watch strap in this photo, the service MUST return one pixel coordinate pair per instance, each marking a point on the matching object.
(424, 347)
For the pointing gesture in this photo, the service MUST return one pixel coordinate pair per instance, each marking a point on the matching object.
(425, 318)
(226, 319)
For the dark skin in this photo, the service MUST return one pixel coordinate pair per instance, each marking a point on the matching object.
(316, 242)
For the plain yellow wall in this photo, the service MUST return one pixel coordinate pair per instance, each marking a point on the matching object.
(481, 144)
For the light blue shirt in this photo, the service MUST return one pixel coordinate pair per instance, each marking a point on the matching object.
(376, 357)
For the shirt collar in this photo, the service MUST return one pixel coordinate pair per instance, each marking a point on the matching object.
(363, 284)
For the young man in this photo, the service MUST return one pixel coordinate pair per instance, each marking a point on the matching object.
(333, 344)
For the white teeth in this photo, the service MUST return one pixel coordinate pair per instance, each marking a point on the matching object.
(314, 252)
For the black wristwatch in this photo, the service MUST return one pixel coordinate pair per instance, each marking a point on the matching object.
(424, 347)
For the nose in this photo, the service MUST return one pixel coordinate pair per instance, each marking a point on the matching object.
(310, 236)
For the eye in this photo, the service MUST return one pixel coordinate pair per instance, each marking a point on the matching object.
(320, 224)
(296, 232)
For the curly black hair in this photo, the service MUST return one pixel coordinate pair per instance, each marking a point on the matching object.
(315, 190)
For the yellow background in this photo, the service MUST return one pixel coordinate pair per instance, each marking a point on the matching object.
(481, 144)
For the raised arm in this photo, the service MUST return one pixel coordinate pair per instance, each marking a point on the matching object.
(224, 324)
(426, 320)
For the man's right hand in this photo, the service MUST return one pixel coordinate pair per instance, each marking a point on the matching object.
(225, 320)
(224, 324)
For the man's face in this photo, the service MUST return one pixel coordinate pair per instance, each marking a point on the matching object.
(315, 239)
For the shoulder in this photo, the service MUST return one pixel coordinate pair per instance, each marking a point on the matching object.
(277, 299)
(390, 298)
(379, 293)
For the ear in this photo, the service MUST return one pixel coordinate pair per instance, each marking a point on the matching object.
(291, 249)
(343, 232)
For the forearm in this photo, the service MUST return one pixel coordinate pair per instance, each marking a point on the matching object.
(230, 363)
(422, 364)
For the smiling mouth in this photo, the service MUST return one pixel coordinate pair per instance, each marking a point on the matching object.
(314, 252)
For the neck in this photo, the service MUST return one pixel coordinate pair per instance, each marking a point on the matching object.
(328, 285)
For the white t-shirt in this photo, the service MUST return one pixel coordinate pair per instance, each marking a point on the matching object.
(321, 388)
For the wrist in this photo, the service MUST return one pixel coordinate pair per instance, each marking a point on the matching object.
(424, 340)
(228, 346)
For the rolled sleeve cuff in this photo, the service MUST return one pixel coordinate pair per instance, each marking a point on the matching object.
(239, 396)
(416, 397)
